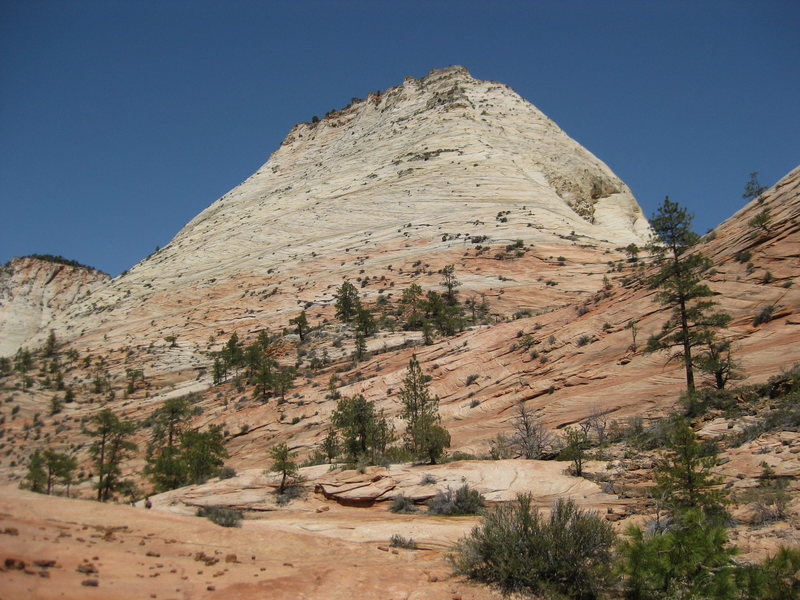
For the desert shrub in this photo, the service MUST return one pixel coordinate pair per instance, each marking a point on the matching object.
(402, 504)
(226, 473)
(743, 256)
(519, 550)
(225, 517)
(584, 339)
(398, 541)
(427, 479)
(472, 378)
(764, 315)
(463, 501)
(459, 455)
(290, 492)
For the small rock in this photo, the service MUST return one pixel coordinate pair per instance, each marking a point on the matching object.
(90, 582)
(151, 553)
(10, 531)
(383, 548)
(323, 509)
(44, 574)
(288, 564)
(230, 558)
(210, 588)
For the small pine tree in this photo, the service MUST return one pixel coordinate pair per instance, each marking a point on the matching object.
(424, 434)
(691, 559)
(752, 188)
(58, 466)
(718, 362)
(450, 282)
(684, 478)
(301, 325)
(330, 445)
(363, 431)
(576, 442)
(360, 352)
(283, 463)
(109, 449)
(347, 303)
(760, 222)
(203, 453)
(36, 477)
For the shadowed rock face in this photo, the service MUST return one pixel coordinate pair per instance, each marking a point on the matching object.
(411, 173)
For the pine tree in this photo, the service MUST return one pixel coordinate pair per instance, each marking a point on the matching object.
(330, 445)
(202, 453)
(363, 431)
(684, 478)
(678, 280)
(283, 463)
(36, 478)
(165, 466)
(576, 442)
(301, 325)
(717, 360)
(689, 560)
(424, 434)
(450, 282)
(109, 449)
(347, 302)
(360, 352)
(58, 466)
(752, 188)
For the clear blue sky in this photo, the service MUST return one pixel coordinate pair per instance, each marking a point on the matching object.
(120, 120)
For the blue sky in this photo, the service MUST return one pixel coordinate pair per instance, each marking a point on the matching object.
(120, 120)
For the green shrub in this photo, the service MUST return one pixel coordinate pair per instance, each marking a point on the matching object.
(516, 548)
(226, 517)
(584, 340)
(463, 501)
(402, 504)
(774, 579)
(688, 560)
(743, 256)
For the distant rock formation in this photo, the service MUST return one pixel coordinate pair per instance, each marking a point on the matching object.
(35, 292)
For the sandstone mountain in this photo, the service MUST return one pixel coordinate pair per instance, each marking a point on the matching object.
(414, 172)
(444, 170)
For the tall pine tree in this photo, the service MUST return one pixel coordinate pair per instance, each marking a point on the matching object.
(679, 284)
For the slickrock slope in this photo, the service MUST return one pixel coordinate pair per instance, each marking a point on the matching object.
(76, 549)
(34, 293)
